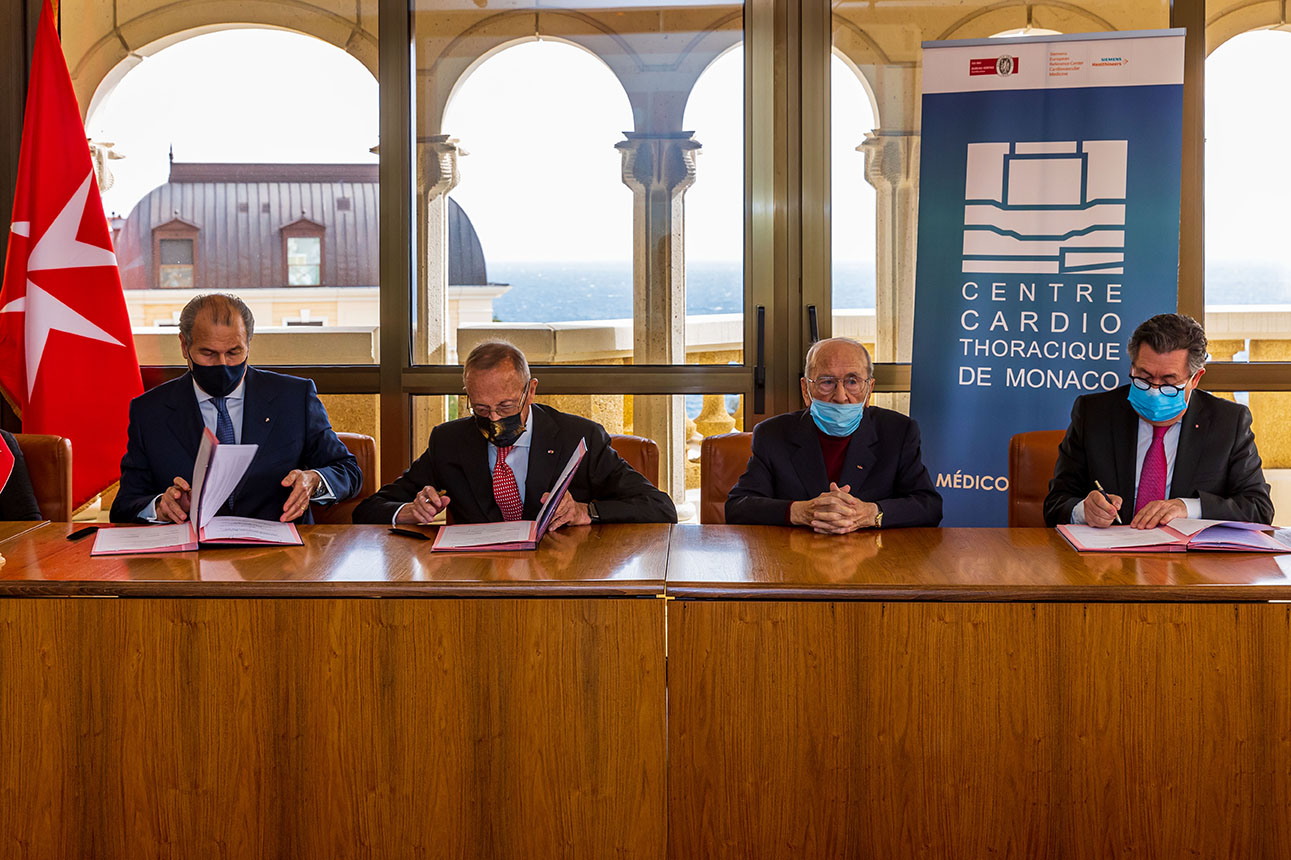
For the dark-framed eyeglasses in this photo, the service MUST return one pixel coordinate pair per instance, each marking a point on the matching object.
(1165, 388)
(851, 383)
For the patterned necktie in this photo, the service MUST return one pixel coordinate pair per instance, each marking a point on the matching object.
(505, 491)
(223, 423)
(1152, 478)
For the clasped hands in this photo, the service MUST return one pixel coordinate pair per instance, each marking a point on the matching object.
(835, 512)
(1100, 513)
(173, 505)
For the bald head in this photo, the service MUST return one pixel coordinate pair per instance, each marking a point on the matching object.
(835, 349)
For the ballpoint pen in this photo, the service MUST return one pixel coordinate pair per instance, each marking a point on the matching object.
(1099, 487)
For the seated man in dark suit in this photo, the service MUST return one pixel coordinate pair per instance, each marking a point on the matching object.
(300, 459)
(499, 462)
(17, 499)
(1171, 448)
(838, 465)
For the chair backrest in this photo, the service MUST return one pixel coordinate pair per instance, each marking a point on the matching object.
(49, 463)
(1032, 457)
(722, 459)
(640, 453)
(364, 449)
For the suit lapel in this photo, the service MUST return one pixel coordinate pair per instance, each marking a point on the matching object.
(807, 459)
(1125, 444)
(257, 409)
(475, 463)
(1192, 435)
(186, 417)
(544, 450)
(860, 456)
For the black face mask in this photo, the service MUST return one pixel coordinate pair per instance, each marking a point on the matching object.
(503, 432)
(217, 380)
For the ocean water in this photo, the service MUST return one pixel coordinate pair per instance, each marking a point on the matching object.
(552, 292)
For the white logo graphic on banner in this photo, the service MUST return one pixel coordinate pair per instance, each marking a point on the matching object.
(1050, 207)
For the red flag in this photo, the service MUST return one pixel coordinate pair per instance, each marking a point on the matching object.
(67, 360)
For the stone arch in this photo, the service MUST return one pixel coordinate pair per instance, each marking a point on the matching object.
(866, 83)
(656, 91)
(1012, 14)
(99, 62)
(1244, 16)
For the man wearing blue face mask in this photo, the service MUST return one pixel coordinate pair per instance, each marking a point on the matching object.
(838, 465)
(300, 460)
(1160, 447)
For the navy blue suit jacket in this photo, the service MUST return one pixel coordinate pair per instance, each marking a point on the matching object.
(282, 414)
(883, 465)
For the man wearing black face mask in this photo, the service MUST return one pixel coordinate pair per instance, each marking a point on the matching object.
(498, 463)
(300, 460)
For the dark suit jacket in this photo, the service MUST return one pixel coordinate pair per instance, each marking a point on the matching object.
(18, 500)
(1216, 460)
(883, 465)
(456, 462)
(282, 414)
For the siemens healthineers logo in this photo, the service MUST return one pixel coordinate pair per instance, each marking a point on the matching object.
(1053, 207)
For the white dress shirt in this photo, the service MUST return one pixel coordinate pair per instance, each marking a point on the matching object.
(1171, 444)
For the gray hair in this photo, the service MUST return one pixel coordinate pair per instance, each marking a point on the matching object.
(1170, 332)
(815, 348)
(491, 353)
(220, 306)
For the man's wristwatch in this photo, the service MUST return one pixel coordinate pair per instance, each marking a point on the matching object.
(878, 518)
(591, 512)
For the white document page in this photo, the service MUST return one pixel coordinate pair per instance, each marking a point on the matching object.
(228, 464)
(485, 534)
(1190, 527)
(1120, 537)
(245, 528)
(142, 538)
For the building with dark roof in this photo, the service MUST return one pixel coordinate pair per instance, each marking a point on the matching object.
(247, 226)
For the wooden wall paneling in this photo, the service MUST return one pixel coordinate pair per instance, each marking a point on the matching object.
(332, 728)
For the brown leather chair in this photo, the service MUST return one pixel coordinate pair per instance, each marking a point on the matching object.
(364, 449)
(1031, 460)
(49, 462)
(640, 453)
(722, 459)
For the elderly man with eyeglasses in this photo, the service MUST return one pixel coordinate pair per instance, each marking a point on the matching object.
(499, 462)
(1159, 448)
(840, 464)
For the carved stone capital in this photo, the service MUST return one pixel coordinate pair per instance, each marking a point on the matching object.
(659, 162)
(436, 165)
(891, 157)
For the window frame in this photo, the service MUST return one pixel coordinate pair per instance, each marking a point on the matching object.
(183, 230)
(304, 228)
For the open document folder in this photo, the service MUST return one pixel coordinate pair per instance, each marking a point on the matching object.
(1180, 535)
(216, 474)
(518, 534)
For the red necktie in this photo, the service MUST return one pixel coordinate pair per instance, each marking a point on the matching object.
(505, 491)
(1152, 478)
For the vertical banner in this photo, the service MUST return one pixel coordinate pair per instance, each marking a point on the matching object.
(1048, 230)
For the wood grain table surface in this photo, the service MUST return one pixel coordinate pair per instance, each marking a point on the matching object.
(969, 564)
(341, 561)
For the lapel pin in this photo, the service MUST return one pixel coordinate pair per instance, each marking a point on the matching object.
(266, 421)
(550, 451)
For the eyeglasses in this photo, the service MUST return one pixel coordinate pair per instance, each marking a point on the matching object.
(852, 383)
(1165, 388)
(505, 409)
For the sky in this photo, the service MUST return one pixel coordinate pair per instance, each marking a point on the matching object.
(541, 179)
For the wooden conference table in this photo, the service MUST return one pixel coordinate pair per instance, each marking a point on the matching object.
(910, 693)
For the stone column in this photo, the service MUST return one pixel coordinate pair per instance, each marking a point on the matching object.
(892, 166)
(432, 342)
(659, 168)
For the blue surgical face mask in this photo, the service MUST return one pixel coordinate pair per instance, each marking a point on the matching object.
(837, 419)
(1154, 406)
(217, 380)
